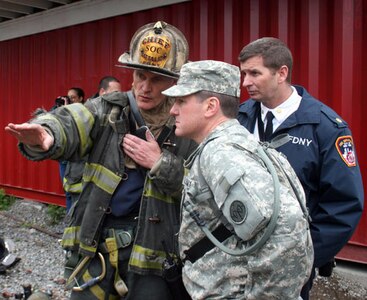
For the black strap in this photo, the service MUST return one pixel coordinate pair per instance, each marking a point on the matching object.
(205, 245)
(135, 110)
(140, 121)
(166, 131)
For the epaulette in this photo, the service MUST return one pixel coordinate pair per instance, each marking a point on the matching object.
(333, 117)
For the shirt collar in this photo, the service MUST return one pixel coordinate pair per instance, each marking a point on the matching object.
(284, 110)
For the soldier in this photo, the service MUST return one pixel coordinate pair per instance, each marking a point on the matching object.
(127, 214)
(232, 194)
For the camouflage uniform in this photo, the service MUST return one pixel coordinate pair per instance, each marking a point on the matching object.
(279, 268)
(276, 271)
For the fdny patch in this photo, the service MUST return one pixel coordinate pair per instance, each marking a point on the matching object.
(345, 147)
(238, 212)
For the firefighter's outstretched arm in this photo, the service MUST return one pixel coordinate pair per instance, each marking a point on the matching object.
(31, 135)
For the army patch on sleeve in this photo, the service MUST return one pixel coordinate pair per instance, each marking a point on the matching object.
(345, 147)
(238, 212)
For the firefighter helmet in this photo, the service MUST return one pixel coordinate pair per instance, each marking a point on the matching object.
(157, 47)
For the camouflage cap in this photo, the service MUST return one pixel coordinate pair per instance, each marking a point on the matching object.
(206, 75)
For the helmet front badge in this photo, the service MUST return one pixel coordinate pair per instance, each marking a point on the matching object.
(154, 50)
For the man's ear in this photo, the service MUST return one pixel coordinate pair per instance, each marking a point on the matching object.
(213, 106)
(283, 73)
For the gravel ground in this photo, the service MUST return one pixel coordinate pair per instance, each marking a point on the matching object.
(41, 256)
(337, 288)
(42, 259)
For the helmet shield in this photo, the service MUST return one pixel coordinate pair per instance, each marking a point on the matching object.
(157, 47)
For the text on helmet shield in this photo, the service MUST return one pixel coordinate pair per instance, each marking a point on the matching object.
(154, 51)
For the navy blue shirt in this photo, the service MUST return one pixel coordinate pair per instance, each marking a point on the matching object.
(127, 196)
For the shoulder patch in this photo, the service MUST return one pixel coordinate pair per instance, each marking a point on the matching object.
(238, 212)
(345, 147)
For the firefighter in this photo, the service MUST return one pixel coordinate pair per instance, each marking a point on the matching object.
(127, 215)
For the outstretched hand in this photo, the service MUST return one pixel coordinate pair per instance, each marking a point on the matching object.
(144, 153)
(31, 134)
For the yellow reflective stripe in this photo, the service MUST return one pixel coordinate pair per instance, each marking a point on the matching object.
(150, 191)
(87, 248)
(139, 256)
(50, 117)
(72, 188)
(95, 289)
(101, 177)
(84, 121)
(70, 236)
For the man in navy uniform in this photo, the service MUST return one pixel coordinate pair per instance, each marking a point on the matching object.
(321, 147)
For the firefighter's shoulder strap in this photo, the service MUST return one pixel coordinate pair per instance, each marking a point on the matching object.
(135, 110)
(166, 131)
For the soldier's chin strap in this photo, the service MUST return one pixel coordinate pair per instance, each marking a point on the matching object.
(189, 206)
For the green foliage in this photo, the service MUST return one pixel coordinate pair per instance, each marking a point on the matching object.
(6, 200)
(56, 213)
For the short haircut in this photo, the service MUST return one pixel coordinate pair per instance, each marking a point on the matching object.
(274, 52)
(229, 104)
(105, 81)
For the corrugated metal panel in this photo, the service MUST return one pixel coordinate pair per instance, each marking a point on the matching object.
(69, 14)
(327, 38)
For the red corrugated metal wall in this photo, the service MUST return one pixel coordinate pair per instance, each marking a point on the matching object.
(327, 38)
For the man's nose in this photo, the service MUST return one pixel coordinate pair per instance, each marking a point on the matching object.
(173, 110)
(146, 86)
(246, 81)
